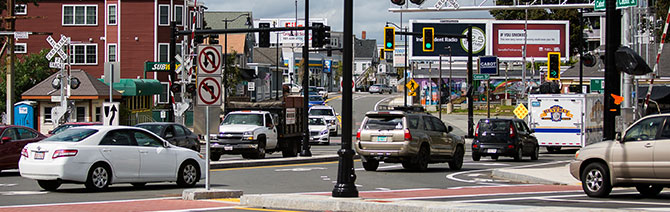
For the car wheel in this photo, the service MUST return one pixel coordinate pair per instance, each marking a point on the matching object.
(99, 178)
(519, 154)
(596, 180)
(456, 162)
(49, 185)
(138, 184)
(494, 157)
(408, 165)
(536, 153)
(188, 174)
(476, 157)
(649, 190)
(215, 156)
(260, 152)
(423, 158)
(371, 164)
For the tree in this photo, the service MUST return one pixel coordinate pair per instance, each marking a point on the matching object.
(28, 72)
(233, 76)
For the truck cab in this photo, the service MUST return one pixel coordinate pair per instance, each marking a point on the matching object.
(248, 133)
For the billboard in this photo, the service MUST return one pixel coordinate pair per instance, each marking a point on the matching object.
(542, 37)
(288, 37)
(458, 46)
(488, 65)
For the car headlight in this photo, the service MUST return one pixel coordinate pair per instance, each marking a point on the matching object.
(248, 133)
(324, 132)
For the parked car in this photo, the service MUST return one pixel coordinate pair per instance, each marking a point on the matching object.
(318, 130)
(293, 88)
(413, 139)
(69, 125)
(323, 92)
(504, 137)
(99, 156)
(316, 100)
(174, 133)
(14, 138)
(381, 89)
(328, 114)
(639, 157)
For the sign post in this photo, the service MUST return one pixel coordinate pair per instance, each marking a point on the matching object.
(209, 90)
(63, 79)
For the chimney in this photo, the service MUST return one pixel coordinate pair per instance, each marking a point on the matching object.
(363, 35)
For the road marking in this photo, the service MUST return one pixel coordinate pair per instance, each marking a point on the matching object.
(91, 202)
(485, 194)
(453, 175)
(381, 167)
(277, 166)
(300, 169)
(475, 175)
(330, 99)
(600, 201)
(228, 199)
(18, 193)
(380, 101)
(261, 209)
(8, 185)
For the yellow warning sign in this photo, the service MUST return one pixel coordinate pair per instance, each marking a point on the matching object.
(411, 93)
(412, 85)
(520, 111)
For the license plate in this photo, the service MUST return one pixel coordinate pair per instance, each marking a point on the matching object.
(381, 139)
(227, 148)
(39, 155)
(491, 150)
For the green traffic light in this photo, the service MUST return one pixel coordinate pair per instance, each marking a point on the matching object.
(388, 45)
(428, 46)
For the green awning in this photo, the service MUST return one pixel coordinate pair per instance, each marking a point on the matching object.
(138, 87)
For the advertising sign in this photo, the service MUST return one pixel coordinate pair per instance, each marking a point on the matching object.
(288, 37)
(543, 37)
(488, 65)
(458, 46)
(399, 56)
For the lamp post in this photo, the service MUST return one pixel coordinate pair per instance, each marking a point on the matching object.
(225, 52)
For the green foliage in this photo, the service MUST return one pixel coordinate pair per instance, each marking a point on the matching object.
(233, 76)
(28, 71)
(662, 13)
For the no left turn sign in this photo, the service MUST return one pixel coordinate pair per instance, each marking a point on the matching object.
(209, 91)
(209, 59)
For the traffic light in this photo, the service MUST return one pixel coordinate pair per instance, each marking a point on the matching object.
(381, 55)
(264, 37)
(554, 64)
(398, 2)
(175, 88)
(417, 2)
(428, 39)
(317, 37)
(389, 38)
(325, 35)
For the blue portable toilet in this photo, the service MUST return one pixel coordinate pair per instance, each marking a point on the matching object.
(24, 114)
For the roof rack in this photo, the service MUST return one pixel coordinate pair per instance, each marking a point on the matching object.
(410, 109)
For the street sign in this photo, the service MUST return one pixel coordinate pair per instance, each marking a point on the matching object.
(520, 111)
(412, 85)
(600, 4)
(111, 113)
(481, 77)
(209, 91)
(251, 86)
(488, 65)
(58, 63)
(115, 68)
(411, 93)
(21, 35)
(209, 59)
(598, 85)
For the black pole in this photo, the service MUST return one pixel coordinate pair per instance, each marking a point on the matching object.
(581, 51)
(470, 86)
(346, 176)
(439, 90)
(173, 73)
(612, 76)
(405, 67)
(305, 86)
(225, 64)
(277, 67)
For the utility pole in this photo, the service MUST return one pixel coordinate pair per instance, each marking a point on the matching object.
(612, 76)
(9, 26)
(305, 87)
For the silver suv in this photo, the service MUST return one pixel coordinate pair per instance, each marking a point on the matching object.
(413, 139)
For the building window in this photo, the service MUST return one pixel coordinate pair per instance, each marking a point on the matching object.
(163, 96)
(20, 48)
(179, 14)
(163, 52)
(20, 9)
(81, 114)
(80, 15)
(98, 114)
(47, 115)
(111, 52)
(111, 14)
(178, 49)
(84, 54)
(163, 15)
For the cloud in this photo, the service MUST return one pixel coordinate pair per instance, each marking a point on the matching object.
(369, 15)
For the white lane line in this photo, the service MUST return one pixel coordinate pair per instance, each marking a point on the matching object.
(382, 167)
(484, 195)
(453, 177)
(82, 203)
(601, 201)
(202, 209)
(380, 101)
(520, 198)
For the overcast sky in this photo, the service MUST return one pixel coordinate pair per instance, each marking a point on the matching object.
(369, 15)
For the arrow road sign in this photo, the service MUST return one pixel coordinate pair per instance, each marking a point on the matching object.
(209, 59)
(209, 91)
(111, 116)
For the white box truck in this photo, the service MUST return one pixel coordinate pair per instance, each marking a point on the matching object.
(566, 120)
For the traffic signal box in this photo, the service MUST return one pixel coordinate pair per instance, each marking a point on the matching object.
(554, 64)
(264, 37)
(381, 55)
(428, 39)
(389, 38)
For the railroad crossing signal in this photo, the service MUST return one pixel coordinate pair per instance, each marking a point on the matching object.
(389, 38)
(428, 39)
(554, 64)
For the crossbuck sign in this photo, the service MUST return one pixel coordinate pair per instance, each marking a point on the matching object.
(57, 48)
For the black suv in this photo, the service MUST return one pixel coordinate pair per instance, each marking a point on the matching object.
(504, 137)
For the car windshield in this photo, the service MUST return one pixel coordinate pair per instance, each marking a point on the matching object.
(384, 123)
(248, 119)
(315, 98)
(312, 89)
(321, 112)
(72, 135)
(62, 128)
(316, 121)
(313, 93)
(494, 126)
(154, 128)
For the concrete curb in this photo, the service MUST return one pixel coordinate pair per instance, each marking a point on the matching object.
(328, 203)
(509, 174)
(275, 161)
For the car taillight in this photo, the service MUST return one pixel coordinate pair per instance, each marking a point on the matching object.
(477, 130)
(475, 146)
(24, 152)
(511, 131)
(358, 135)
(408, 136)
(64, 153)
(510, 146)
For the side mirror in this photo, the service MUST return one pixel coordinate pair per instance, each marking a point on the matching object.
(449, 129)
(6, 139)
(618, 137)
(166, 144)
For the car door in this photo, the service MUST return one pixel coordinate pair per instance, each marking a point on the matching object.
(444, 140)
(180, 136)
(524, 136)
(169, 135)
(9, 155)
(120, 150)
(429, 129)
(633, 157)
(157, 162)
(271, 136)
(662, 152)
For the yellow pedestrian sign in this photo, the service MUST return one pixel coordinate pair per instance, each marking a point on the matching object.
(411, 93)
(520, 111)
(412, 85)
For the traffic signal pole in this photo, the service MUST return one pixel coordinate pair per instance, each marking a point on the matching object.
(612, 76)
(471, 122)
(305, 86)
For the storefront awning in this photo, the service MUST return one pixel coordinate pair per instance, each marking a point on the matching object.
(138, 87)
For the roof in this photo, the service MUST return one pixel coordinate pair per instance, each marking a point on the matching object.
(214, 19)
(90, 88)
(138, 87)
(268, 56)
(365, 48)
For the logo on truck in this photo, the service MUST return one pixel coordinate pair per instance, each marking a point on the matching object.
(556, 113)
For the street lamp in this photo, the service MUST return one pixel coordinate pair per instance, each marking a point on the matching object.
(225, 50)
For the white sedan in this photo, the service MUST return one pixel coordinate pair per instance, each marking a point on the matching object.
(101, 155)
